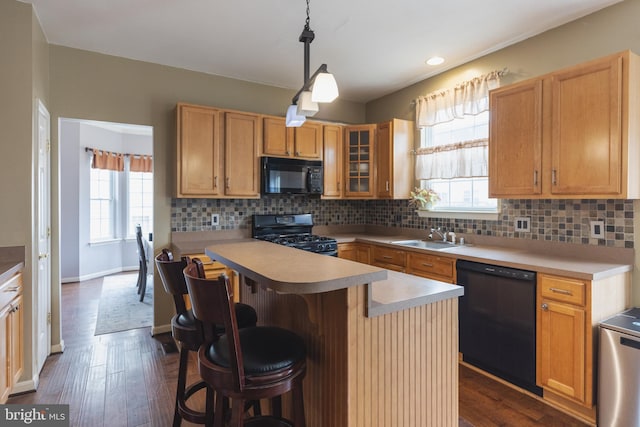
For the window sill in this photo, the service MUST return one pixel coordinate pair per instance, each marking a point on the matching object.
(492, 216)
(104, 242)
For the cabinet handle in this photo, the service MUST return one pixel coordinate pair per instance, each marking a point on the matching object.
(424, 264)
(387, 185)
(297, 153)
(561, 291)
(554, 181)
(287, 152)
(215, 182)
(544, 307)
(228, 181)
(387, 257)
(12, 289)
(535, 178)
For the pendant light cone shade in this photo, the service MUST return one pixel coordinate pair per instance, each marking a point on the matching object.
(294, 120)
(325, 88)
(306, 107)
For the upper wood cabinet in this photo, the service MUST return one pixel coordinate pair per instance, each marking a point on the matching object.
(304, 142)
(568, 134)
(241, 169)
(217, 153)
(359, 161)
(515, 140)
(198, 155)
(394, 161)
(333, 164)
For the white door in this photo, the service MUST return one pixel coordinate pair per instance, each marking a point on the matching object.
(42, 296)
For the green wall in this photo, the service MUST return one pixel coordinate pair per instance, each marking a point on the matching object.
(86, 85)
(608, 31)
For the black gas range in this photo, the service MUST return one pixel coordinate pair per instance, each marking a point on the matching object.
(294, 230)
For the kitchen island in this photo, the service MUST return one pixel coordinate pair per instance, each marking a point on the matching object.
(382, 346)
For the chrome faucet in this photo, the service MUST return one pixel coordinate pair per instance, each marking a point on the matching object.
(442, 234)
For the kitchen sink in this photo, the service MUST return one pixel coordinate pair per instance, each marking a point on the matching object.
(425, 244)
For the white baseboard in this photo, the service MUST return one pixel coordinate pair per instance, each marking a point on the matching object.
(162, 329)
(26, 386)
(57, 348)
(98, 274)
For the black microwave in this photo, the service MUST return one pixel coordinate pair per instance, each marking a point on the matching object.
(291, 176)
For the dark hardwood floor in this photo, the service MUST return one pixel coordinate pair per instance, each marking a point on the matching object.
(127, 379)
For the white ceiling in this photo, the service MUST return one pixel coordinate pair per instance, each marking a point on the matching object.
(373, 47)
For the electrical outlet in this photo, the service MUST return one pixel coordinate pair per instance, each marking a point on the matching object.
(215, 220)
(523, 223)
(597, 229)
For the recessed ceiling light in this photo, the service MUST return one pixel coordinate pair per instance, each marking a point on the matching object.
(435, 60)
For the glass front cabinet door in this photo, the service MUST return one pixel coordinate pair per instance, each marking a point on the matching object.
(359, 154)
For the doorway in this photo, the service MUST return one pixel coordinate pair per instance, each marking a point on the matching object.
(100, 208)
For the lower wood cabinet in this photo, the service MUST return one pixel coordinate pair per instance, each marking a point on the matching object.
(432, 267)
(11, 333)
(359, 252)
(389, 258)
(568, 313)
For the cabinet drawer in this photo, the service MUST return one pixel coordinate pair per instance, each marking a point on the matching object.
(10, 289)
(431, 265)
(389, 256)
(571, 291)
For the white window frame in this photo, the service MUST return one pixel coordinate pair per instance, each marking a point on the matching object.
(111, 201)
(440, 210)
(145, 206)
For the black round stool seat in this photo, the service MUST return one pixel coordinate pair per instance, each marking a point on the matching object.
(264, 350)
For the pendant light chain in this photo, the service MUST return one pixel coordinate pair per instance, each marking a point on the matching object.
(306, 27)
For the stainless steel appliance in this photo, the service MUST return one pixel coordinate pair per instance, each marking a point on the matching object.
(291, 176)
(497, 317)
(619, 370)
(294, 230)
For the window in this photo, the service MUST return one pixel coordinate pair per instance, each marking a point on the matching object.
(140, 202)
(118, 202)
(102, 205)
(453, 156)
(445, 141)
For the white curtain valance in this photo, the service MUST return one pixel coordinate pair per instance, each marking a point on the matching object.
(470, 97)
(461, 160)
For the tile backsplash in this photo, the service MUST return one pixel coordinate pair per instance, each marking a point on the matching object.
(551, 220)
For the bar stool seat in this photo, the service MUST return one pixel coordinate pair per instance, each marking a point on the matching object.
(250, 364)
(187, 330)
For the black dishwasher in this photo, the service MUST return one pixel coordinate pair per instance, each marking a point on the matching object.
(498, 321)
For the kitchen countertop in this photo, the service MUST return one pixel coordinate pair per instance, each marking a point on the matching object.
(290, 270)
(9, 268)
(586, 266)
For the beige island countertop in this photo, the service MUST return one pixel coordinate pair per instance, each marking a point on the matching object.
(382, 347)
(289, 270)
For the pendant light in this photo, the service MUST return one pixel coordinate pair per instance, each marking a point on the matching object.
(319, 88)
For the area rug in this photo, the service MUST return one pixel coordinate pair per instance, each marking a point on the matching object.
(120, 308)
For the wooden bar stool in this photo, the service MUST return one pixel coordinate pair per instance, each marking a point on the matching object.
(188, 332)
(245, 364)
